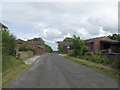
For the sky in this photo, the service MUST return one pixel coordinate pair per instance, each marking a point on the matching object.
(54, 21)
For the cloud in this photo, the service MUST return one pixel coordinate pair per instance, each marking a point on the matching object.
(55, 21)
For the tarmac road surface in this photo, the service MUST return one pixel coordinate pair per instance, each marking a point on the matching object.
(54, 71)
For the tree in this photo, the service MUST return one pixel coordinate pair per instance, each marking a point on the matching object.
(68, 39)
(35, 39)
(115, 37)
(48, 48)
(8, 43)
(79, 46)
(60, 48)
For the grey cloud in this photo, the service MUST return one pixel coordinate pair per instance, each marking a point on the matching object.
(61, 19)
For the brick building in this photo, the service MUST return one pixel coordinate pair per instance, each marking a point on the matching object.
(38, 46)
(102, 45)
(97, 45)
(66, 46)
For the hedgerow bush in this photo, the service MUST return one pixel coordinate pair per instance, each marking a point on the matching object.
(96, 58)
(101, 59)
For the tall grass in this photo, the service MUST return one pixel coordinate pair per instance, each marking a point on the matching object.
(10, 61)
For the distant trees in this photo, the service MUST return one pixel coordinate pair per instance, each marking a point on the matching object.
(115, 37)
(68, 39)
(35, 39)
(48, 48)
(8, 43)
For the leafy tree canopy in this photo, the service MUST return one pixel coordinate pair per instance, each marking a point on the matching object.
(8, 43)
(48, 48)
(115, 37)
(68, 39)
(79, 47)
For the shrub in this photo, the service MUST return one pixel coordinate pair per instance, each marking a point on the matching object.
(8, 43)
(27, 48)
(48, 48)
(114, 64)
(102, 60)
(71, 53)
(96, 58)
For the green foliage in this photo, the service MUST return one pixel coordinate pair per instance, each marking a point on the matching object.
(113, 72)
(8, 43)
(27, 48)
(60, 48)
(36, 39)
(115, 37)
(48, 48)
(68, 39)
(101, 59)
(71, 53)
(10, 61)
(79, 46)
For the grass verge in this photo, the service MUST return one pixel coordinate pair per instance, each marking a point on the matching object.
(98, 67)
(12, 68)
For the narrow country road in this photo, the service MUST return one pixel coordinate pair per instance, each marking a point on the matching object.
(54, 71)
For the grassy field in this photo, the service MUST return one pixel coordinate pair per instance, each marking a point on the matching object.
(12, 68)
(98, 67)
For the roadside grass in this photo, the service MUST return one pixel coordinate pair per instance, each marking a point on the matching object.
(114, 73)
(0, 80)
(12, 68)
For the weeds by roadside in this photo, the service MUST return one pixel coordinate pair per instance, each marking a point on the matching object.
(98, 67)
(11, 69)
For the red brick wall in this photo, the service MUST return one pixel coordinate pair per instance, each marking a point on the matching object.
(96, 46)
(39, 51)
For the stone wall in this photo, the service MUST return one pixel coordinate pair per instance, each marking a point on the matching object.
(96, 46)
(24, 54)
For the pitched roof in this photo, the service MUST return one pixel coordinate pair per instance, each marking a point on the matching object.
(64, 43)
(2, 26)
(102, 39)
(110, 41)
(94, 39)
(36, 42)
